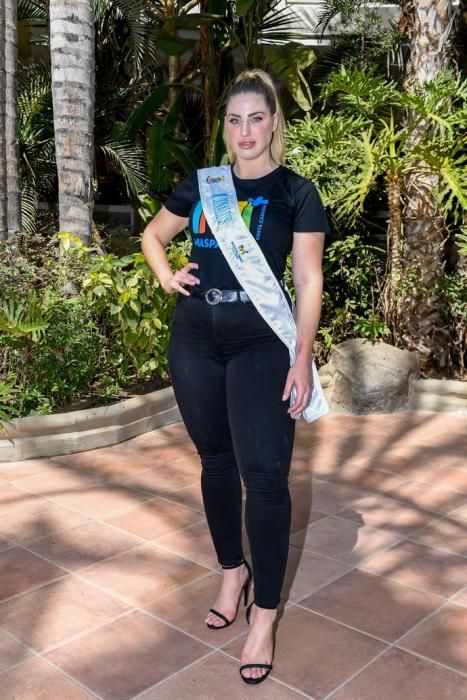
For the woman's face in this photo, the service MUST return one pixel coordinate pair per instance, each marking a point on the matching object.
(249, 125)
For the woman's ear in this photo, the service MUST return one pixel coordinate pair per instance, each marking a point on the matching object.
(275, 121)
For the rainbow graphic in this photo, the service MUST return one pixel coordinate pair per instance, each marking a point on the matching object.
(246, 210)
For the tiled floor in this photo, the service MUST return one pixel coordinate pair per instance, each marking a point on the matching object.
(107, 570)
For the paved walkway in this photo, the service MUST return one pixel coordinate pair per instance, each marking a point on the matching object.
(107, 571)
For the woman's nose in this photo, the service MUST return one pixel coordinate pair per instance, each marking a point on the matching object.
(245, 128)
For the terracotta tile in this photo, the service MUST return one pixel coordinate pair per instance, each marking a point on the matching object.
(170, 433)
(455, 479)
(21, 570)
(420, 566)
(98, 501)
(190, 496)
(13, 497)
(343, 540)
(38, 680)
(56, 479)
(155, 518)
(414, 461)
(11, 653)
(314, 654)
(161, 480)
(158, 453)
(377, 510)
(187, 608)
(445, 533)
(306, 572)
(443, 637)
(372, 604)
(325, 496)
(190, 463)
(48, 615)
(106, 462)
(38, 519)
(397, 674)
(143, 573)
(302, 515)
(367, 479)
(125, 657)
(156, 438)
(10, 471)
(5, 544)
(83, 546)
(459, 513)
(209, 679)
(430, 496)
(461, 597)
(194, 542)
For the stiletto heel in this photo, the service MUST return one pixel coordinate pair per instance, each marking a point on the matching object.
(268, 667)
(245, 589)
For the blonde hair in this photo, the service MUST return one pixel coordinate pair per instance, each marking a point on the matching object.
(259, 82)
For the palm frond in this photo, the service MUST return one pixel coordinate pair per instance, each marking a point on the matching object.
(32, 11)
(129, 160)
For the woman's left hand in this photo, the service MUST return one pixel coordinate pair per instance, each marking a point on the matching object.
(299, 376)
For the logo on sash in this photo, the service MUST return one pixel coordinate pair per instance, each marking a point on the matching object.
(221, 207)
(239, 250)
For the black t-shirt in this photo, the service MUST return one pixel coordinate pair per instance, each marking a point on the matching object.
(272, 207)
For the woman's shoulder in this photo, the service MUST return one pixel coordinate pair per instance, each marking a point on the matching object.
(297, 181)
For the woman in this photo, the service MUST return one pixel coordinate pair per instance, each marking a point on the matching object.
(231, 373)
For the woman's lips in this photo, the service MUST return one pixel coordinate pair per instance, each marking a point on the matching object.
(246, 144)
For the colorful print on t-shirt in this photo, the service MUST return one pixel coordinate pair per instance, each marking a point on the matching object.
(199, 225)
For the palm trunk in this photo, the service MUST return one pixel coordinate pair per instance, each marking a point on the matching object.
(3, 178)
(11, 119)
(422, 313)
(73, 84)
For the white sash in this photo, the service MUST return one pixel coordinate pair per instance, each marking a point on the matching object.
(247, 261)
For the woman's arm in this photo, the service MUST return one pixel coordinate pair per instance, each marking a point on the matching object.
(307, 256)
(156, 237)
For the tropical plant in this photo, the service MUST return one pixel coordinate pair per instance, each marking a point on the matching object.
(364, 145)
(428, 26)
(73, 89)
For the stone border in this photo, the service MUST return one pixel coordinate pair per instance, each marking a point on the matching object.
(440, 395)
(76, 431)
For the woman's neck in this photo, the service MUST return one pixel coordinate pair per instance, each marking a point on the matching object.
(250, 169)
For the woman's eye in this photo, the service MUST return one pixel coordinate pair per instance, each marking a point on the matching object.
(257, 119)
(233, 121)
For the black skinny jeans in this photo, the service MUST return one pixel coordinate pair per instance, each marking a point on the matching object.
(228, 370)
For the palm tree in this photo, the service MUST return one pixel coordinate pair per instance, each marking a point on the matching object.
(364, 144)
(428, 26)
(73, 82)
(11, 119)
(3, 180)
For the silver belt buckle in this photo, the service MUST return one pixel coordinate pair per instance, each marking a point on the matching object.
(213, 296)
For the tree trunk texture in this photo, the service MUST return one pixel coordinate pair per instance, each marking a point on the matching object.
(73, 89)
(11, 119)
(393, 277)
(3, 176)
(207, 78)
(422, 315)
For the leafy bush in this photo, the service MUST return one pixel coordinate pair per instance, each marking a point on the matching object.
(76, 325)
(135, 310)
(353, 271)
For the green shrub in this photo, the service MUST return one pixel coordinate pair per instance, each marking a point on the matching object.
(353, 270)
(75, 324)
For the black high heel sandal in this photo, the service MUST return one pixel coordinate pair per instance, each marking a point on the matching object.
(254, 681)
(245, 589)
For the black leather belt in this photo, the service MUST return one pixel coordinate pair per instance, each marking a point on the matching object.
(219, 296)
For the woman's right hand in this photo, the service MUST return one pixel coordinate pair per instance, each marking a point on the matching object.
(181, 277)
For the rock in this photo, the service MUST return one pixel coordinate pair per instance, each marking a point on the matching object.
(362, 377)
